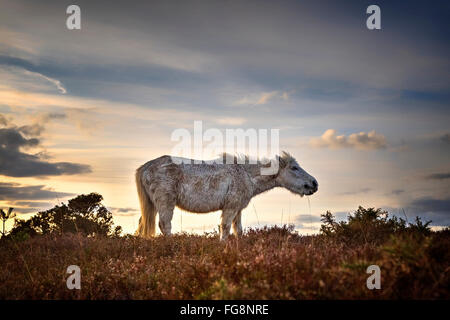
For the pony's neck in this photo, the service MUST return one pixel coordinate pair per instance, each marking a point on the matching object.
(261, 183)
(264, 183)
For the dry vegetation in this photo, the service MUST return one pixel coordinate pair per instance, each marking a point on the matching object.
(272, 263)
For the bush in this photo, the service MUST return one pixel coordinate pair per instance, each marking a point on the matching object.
(84, 214)
(369, 226)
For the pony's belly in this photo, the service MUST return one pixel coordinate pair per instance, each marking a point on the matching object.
(200, 201)
(199, 207)
(196, 209)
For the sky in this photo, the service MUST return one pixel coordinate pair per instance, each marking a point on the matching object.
(366, 112)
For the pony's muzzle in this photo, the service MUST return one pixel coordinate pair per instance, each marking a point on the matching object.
(311, 187)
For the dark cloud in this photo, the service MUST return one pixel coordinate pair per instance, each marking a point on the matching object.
(12, 139)
(36, 204)
(176, 45)
(15, 191)
(431, 205)
(31, 206)
(398, 191)
(445, 138)
(436, 210)
(150, 74)
(14, 162)
(26, 210)
(439, 176)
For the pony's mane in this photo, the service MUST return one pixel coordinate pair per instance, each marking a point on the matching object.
(239, 158)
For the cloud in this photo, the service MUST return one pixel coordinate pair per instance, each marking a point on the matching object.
(3, 120)
(231, 121)
(37, 127)
(12, 139)
(438, 176)
(398, 191)
(33, 130)
(313, 222)
(445, 138)
(55, 82)
(306, 218)
(21, 77)
(83, 119)
(363, 190)
(25, 203)
(14, 191)
(431, 205)
(124, 212)
(437, 210)
(361, 141)
(342, 215)
(17, 163)
(427, 208)
(39, 120)
(47, 116)
(25, 207)
(263, 98)
(197, 47)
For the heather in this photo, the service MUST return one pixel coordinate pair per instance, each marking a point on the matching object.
(267, 263)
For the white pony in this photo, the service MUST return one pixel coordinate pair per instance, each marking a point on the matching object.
(204, 187)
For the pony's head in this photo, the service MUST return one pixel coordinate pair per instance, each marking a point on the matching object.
(292, 177)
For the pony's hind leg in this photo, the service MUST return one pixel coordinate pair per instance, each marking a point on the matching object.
(237, 225)
(227, 218)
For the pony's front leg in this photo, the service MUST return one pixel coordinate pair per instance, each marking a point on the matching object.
(237, 225)
(227, 218)
(165, 221)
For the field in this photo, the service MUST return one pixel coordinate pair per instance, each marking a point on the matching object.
(269, 263)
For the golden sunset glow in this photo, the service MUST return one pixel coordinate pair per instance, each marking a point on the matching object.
(370, 125)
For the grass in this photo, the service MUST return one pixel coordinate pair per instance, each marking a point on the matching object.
(269, 263)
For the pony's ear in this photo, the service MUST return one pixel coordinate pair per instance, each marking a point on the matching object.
(287, 156)
(282, 162)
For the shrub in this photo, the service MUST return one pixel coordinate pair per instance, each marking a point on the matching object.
(84, 214)
(369, 226)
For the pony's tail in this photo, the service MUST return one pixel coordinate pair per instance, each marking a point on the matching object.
(146, 227)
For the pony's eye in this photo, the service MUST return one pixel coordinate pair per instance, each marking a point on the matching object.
(294, 168)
